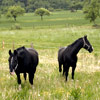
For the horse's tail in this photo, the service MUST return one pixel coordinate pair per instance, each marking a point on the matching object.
(60, 68)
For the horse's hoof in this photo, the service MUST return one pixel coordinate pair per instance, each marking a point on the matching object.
(63, 74)
(72, 80)
(19, 88)
(32, 86)
(66, 80)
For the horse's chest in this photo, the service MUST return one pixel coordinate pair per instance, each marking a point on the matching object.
(22, 69)
(70, 59)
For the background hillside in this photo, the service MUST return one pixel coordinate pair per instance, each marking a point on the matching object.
(31, 5)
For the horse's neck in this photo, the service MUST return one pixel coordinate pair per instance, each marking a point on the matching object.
(77, 47)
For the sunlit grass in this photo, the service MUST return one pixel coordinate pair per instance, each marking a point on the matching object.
(49, 84)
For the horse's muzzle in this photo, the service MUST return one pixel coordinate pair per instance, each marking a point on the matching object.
(90, 50)
(12, 73)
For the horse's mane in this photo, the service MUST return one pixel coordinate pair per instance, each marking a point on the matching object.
(20, 49)
(75, 42)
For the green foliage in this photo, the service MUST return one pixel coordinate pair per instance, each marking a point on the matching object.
(92, 11)
(0, 13)
(31, 5)
(75, 5)
(15, 11)
(41, 12)
(5, 4)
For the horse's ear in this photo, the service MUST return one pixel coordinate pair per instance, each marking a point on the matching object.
(15, 52)
(85, 36)
(10, 53)
(23, 47)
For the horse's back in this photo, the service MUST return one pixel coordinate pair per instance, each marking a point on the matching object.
(34, 55)
(61, 50)
(32, 51)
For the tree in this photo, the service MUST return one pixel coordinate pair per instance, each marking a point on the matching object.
(92, 11)
(15, 11)
(41, 12)
(75, 5)
(5, 5)
(32, 5)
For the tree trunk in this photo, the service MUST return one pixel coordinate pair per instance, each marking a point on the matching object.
(14, 18)
(94, 22)
(41, 17)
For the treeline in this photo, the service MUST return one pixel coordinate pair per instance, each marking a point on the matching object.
(31, 5)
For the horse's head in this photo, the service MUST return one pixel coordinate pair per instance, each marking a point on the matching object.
(87, 45)
(13, 61)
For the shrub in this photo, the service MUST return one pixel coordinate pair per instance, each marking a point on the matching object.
(75, 94)
(16, 26)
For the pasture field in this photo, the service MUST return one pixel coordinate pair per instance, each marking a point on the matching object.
(56, 19)
(59, 29)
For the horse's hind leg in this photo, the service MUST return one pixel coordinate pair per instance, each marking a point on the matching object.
(25, 76)
(66, 70)
(31, 77)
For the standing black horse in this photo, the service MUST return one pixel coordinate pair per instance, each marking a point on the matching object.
(23, 60)
(67, 56)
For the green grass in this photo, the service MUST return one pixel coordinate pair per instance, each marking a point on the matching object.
(59, 29)
(59, 19)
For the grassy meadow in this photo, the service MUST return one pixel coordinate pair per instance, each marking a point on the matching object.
(57, 30)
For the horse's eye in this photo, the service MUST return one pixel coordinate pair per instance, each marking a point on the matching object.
(86, 47)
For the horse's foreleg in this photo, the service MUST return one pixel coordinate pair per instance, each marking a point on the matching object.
(19, 81)
(66, 71)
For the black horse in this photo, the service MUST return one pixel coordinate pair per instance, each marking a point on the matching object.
(23, 60)
(67, 56)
